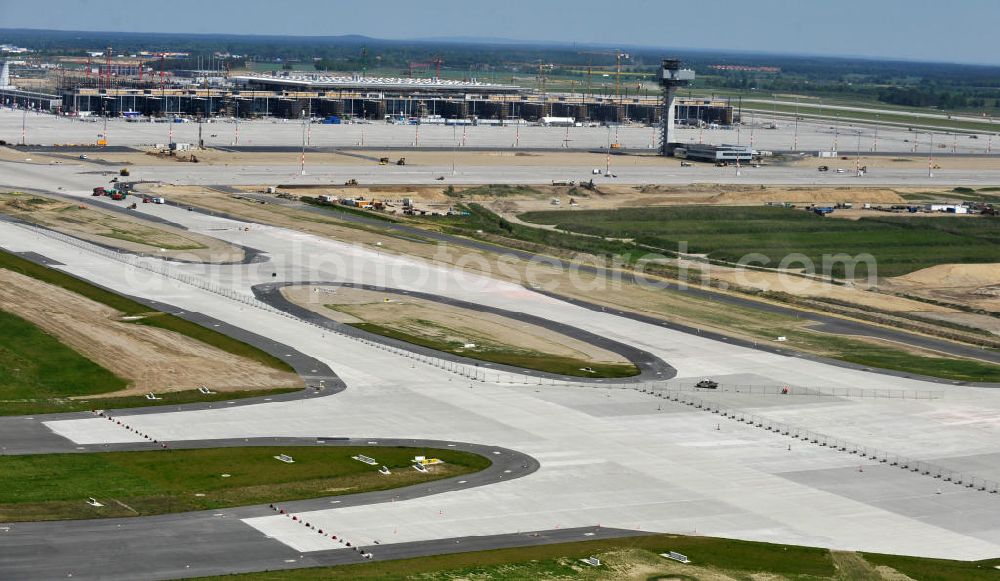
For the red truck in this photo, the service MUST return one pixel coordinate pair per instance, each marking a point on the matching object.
(98, 191)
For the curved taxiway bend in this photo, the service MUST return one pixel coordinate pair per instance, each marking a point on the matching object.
(620, 459)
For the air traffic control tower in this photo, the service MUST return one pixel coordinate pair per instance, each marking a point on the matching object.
(671, 77)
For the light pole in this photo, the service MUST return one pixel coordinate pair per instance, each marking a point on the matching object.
(303, 158)
(24, 124)
(737, 147)
(795, 145)
(857, 159)
(930, 157)
(607, 166)
(875, 143)
(836, 131)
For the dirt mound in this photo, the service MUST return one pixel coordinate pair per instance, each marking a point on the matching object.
(809, 196)
(954, 275)
(31, 204)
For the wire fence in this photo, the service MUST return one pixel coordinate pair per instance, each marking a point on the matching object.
(674, 391)
(480, 373)
(917, 466)
(162, 268)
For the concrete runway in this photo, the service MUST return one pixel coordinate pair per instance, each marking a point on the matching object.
(617, 458)
(610, 457)
(809, 135)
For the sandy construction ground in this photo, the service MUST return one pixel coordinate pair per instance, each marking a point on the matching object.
(624, 196)
(90, 222)
(975, 285)
(577, 285)
(904, 161)
(151, 359)
(443, 322)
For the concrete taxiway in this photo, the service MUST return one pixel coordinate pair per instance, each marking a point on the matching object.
(608, 456)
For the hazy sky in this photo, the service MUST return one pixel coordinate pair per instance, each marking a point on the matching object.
(954, 31)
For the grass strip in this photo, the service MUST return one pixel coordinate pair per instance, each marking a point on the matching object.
(130, 307)
(56, 486)
(37, 365)
(536, 361)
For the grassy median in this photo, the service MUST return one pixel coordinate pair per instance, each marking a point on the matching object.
(57, 486)
(130, 307)
(36, 366)
(513, 357)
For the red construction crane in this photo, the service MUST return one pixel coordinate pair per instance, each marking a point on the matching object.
(438, 61)
(415, 65)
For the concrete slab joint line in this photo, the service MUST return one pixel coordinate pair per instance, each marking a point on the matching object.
(914, 465)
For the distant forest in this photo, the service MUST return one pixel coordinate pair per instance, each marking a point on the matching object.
(916, 84)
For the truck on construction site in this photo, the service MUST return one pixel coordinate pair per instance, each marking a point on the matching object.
(98, 191)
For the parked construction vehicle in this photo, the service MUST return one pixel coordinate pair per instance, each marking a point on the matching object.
(383, 161)
(402, 161)
(351, 182)
(98, 191)
(123, 172)
(707, 384)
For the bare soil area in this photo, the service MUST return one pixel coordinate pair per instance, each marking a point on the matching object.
(669, 306)
(619, 196)
(443, 322)
(974, 285)
(151, 359)
(914, 161)
(130, 233)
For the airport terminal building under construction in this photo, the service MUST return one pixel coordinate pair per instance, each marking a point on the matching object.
(356, 97)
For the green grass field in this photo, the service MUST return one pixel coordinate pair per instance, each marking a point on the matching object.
(900, 244)
(129, 307)
(39, 374)
(517, 358)
(637, 558)
(764, 326)
(36, 365)
(56, 486)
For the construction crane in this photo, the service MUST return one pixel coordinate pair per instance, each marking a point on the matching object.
(415, 65)
(438, 61)
(541, 76)
(619, 57)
